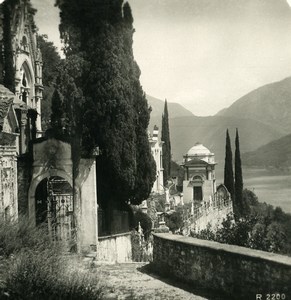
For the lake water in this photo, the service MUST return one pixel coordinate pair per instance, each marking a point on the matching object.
(271, 186)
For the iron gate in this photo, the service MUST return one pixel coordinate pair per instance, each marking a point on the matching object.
(54, 200)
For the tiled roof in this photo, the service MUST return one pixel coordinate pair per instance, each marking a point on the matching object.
(6, 99)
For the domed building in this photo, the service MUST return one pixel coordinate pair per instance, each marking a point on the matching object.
(210, 204)
(199, 180)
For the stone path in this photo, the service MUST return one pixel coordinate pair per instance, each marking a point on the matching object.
(129, 281)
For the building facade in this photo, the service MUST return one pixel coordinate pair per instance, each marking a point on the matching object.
(209, 204)
(199, 181)
(157, 152)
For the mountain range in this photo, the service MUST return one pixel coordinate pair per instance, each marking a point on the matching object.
(261, 116)
(275, 154)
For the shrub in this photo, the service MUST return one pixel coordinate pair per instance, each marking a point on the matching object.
(141, 249)
(34, 267)
(145, 223)
(18, 235)
(174, 221)
(47, 275)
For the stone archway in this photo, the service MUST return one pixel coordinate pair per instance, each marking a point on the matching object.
(54, 207)
(35, 183)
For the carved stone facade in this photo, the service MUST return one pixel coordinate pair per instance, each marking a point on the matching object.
(8, 182)
(27, 66)
(8, 155)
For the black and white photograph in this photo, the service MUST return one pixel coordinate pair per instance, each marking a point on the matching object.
(145, 149)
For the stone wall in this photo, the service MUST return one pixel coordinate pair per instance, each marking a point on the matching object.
(227, 271)
(24, 169)
(213, 217)
(8, 183)
(115, 248)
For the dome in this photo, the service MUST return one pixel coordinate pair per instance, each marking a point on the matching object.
(198, 149)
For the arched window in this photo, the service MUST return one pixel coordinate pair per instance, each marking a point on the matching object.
(197, 178)
(24, 43)
(25, 83)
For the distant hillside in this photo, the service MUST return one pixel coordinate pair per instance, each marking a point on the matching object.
(269, 104)
(262, 116)
(274, 154)
(157, 105)
(210, 131)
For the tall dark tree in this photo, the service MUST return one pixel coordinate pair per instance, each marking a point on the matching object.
(167, 144)
(7, 49)
(112, 112)
(51, 60)
(228, 167)
(238, 183)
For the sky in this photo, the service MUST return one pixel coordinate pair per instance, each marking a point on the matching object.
(203, 54)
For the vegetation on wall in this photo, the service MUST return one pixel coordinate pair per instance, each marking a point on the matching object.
(103, 101)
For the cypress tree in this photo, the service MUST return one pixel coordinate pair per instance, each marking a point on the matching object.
(109, 109)
(9, 69)
(57, 117)
(228, 168)
(238, 178)
(166, 144)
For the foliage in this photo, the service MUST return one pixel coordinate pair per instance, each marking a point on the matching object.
(7, 56)
(166, 145)
(205, 234)
(264, 228)
(177, 171)
(16, 236)
(228, 169)
(107, 107)
(35, 267)
(145, 223)
(51, 61)
(140, 248)
(175, 220)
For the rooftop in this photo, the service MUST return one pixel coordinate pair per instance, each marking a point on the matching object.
(198, 149)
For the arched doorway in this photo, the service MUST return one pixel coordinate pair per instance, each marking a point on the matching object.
(54, 207)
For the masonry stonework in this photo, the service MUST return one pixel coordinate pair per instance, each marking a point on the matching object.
(231, 272)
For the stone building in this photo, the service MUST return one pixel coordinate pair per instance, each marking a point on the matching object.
(36, 170)
(199, 182)
(9, 149)
(157, 152)
(209, 204)
(20, 112)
